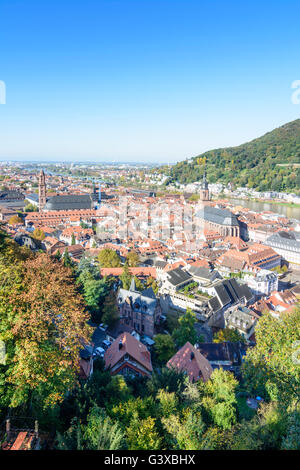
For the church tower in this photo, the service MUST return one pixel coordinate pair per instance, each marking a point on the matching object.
(42, 190)
(204, 191)
(203, 202)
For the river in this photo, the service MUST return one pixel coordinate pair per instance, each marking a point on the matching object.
(287, 211)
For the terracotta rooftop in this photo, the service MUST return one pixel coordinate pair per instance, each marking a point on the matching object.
(130, 346)
(190, 360)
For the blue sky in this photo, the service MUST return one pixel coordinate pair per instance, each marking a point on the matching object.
(143, 80)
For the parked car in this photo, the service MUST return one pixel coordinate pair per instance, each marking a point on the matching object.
(106, 344)
(99, 352)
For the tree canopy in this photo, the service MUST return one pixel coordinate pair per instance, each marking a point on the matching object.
(109, 258)
(185, 331)
(272, 366)
(38, 234)
(43, 324)
(132, 259)
(15, 220)
(228, 334)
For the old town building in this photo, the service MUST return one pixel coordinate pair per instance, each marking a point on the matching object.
(139, 310)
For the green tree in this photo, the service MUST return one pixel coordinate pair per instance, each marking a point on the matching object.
(95, 293)
(109, 258)
(66, 259)
(118, 390)
(126, 277)
(164, 348)
(38, 234)
(185, 430)
(110, 309)
(143, 435)
(272, 366)
(171, 380)
(132, 259)
(168, 402)
(138, 284)
(15, 220)
(228, 334)
(247, 436)
(221, 399)
(43, 330)
(30, 208)
(291, 440)
(87, 269)
(186, 330)
(57, 255)
(151, 282)
(100, 433)
(93, 287)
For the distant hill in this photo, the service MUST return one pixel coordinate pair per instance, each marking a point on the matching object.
(270, 162)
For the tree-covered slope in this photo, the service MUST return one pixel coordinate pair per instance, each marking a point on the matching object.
(254, 164)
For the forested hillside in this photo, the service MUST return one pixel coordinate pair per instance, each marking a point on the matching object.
(256, 164)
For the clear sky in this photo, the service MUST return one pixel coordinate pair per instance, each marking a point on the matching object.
(144, 80)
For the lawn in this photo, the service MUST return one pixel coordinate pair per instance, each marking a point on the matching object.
(243, 409)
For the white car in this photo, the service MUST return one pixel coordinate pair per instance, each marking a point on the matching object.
(99, 352)
(106, 343)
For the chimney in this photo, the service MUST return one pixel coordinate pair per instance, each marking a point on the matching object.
(120, 344)
(36, 428)
(192, 355)
(8, 429)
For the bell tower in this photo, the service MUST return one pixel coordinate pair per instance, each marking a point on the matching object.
(42, 190)
(204, 191)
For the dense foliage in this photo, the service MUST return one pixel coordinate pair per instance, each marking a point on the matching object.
(109, 258)
(43, 323)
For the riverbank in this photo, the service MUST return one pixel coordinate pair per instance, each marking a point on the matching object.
(276, 203)
(261, 201)
(289, 210)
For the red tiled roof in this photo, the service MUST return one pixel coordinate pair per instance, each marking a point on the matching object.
(253, 256)
(200, 263)
(130, 346)
(189, 359)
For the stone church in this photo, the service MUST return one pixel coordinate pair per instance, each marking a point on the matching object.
(211, 218)
(62, 202)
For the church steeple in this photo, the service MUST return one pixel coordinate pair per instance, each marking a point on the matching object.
(204, 191)
(204, 181)
(132, 287)
(42, 190)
